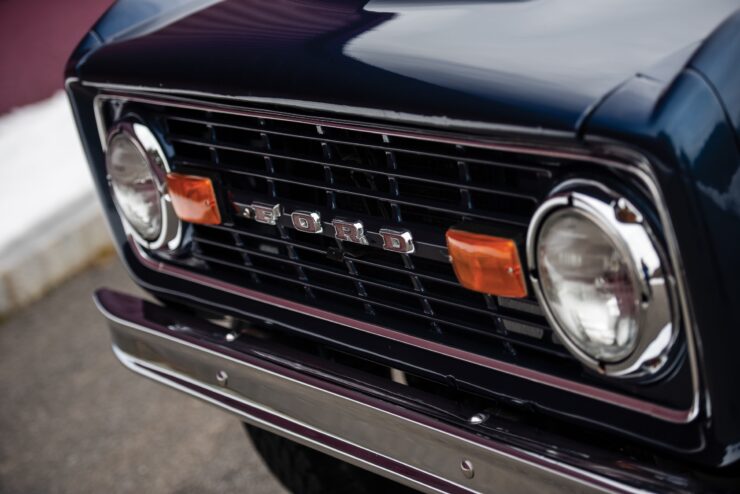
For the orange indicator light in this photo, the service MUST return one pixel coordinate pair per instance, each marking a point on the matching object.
(193, 199)
(487, 264)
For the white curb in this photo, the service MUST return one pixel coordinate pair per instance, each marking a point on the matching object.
(50, 221)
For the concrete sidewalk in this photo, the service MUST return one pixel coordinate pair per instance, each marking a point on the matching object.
(74, 420)
(50, 221)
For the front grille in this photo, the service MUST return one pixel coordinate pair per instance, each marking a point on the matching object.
(394, 178)
(342, 295)
(383, 180)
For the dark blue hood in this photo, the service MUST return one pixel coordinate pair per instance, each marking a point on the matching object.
(533, 63)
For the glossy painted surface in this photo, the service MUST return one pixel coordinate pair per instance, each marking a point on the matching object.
(571, 70)
(535, 63)
(718, 61)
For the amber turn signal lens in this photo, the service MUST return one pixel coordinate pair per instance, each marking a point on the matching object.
(193, 199)
(486, 264)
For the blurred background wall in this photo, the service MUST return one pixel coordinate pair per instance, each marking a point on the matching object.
(36, 37)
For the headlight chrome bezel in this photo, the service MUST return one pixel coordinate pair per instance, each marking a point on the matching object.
(142, 137)
(630, 232)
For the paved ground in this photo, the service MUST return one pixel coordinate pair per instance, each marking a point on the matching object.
(72, 419)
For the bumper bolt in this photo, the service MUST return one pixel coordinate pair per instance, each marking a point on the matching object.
(467, 469)
(478, 418)
(222, 377)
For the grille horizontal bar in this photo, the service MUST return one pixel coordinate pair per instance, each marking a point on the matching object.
(448, 279)
(386, 198)
(334, 164)
(357, 277)
(369, 143)
(394, 307)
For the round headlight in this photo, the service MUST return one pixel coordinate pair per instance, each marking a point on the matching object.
(136, 170)
(603, 281)
(134, 187)
(588, 284)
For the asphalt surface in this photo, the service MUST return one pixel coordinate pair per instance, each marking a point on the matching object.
(72, 419)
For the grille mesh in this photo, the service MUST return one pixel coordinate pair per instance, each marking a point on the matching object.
(384, 181)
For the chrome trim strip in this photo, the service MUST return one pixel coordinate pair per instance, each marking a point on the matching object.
(610, 155)
(392, 441)
(401, 117)
(182, 103)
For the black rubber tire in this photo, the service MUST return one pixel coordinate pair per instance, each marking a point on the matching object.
(305, 471)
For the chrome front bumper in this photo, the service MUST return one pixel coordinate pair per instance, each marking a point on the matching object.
(276, 393)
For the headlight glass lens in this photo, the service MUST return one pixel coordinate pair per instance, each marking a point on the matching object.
(134, 186)
(588, 285)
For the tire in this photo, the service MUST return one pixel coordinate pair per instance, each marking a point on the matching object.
(305, 471)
